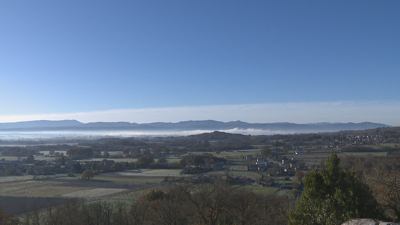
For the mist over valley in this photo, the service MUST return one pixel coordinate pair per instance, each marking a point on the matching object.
(72, 129)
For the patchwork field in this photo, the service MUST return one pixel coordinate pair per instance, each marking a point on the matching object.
(130, 185)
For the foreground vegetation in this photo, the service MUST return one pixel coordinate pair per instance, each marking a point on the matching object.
(216, 203)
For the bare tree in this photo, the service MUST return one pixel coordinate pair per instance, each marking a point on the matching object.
(385, 184)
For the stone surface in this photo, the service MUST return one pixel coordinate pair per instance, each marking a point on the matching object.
(367, 222)
(360, 222)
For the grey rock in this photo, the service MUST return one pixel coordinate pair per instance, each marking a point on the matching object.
(388, 223)
(367, 222)
(360, 222)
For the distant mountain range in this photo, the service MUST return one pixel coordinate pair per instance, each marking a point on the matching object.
(73, 125)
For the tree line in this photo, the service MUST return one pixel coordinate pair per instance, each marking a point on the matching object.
(213, 204)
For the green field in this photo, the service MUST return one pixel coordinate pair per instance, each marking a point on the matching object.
(172, 160)
(262, 190)
(286, 192)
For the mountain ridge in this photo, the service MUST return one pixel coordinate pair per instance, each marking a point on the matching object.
(74, 125)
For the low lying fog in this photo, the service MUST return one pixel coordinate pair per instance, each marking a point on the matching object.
(29, 135)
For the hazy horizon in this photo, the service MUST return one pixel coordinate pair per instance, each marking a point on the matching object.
(332, 112)
(69, 130)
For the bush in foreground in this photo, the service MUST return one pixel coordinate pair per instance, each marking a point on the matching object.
(332, 196)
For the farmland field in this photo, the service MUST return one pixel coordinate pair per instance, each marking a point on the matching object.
(11, 188)
(228, 154)
(130, 185)
(131, 179)
(24, 177)
(15, 178)
(174, 159)
(262, 190)
(45, 191)
(238, 168)
(149, 172)
(37, 157)
(286, 192)
(91, 193)
(364, 153)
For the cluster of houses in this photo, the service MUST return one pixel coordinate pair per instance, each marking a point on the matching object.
(354, 140)
(287, 166)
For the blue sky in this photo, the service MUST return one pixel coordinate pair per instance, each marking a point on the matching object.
(148, 61)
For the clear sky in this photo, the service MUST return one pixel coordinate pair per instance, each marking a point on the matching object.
(150, 61)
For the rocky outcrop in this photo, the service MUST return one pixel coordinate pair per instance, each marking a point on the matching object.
(367, 222)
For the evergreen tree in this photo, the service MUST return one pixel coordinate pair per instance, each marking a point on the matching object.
(332, 196)
(77, 167)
